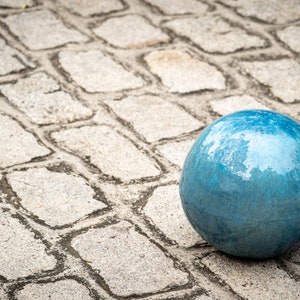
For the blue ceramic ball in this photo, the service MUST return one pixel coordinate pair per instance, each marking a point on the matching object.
(240, 184)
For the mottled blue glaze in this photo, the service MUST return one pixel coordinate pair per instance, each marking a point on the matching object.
(240, 184)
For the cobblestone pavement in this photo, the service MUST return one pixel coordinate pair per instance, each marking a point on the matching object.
(99, 103)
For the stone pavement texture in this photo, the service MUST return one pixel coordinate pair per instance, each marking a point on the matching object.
(100, 102)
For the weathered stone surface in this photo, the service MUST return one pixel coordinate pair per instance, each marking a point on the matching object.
(147, 114)
(17, 145)
(41, 99)
(176, 152)
(42, 30)
(131, 31)
(16, 3)
(109, 151)
(290, 36)
(282, 76)
(254, 280)
(129, 263)
(179, 7)
(182, 73)
(21, 254)
(11, 60)
(214, 34)
(67, 289)
(56, 198)
(232, 104)
(92, 7)
(165, 210)
(96, 72)
(271, 11)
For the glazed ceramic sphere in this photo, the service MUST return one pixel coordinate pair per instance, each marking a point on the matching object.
(240, 184)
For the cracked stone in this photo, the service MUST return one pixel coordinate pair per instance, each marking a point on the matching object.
(41, 99)
(214, 34)
(254, 280)
(11, 60)
(56, 198)
(179, 7)
(282, 76)
(16, 3)
(42, 30)
(131, 31)
(147, 114)
(17, 145)
(233, 104)
(176, 152)
(92, 7)
(109, 151)
(96, 72)
(165, 210)
(129, 263)
(21, 254)
(182, 73)
(67, 289)
(272, 11)
(290, 36)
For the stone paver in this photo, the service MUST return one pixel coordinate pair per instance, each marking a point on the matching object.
(214, 34)
(11, 60)
(16, 3)
(254, 280)
(164, 209)
(179, 7)
(42, 30)
(129, 263)
(282, 76)
(271, 11)
(131, 31)
(103, 147)
(20, 252)
(56, 198)
(67, 289)
(92, 7)
(147, 116)
(176, 152)
(17, 145)
(182, 73)
(100, 103)
(290, 36)
(96, 72)
(40, 98)
(232, 104)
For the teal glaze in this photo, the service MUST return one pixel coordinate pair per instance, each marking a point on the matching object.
(240, 184)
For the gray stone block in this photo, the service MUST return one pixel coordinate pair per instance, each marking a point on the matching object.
(41, 99)
(96, 72)
(17, 145)
(56, 198)
(109, 151)
(92, 7)
(131, 31)
(164, 209)
(290, 36)
(214, 34)
(21, 253)
(67, 289)
(182, 73)
(128, 262)
(254, 280)
(41, 29)
(147, 115)
(179, 7)
(282, 76)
